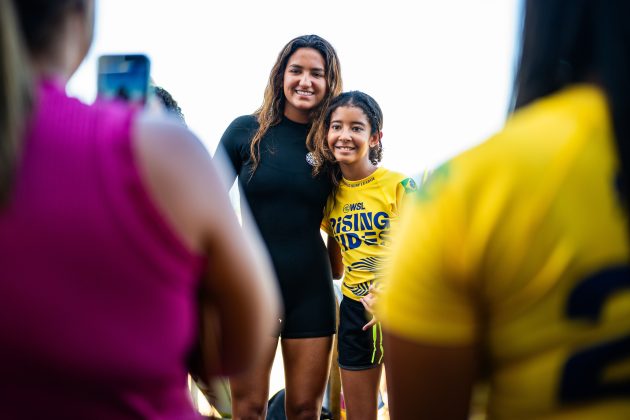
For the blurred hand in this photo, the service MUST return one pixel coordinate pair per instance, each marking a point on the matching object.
(370, 324)
(368, 302)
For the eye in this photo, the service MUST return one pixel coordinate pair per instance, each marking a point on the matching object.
(357, 129)
(335, 126)
(318, 74)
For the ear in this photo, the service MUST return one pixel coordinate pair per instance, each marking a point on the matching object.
(375, 138)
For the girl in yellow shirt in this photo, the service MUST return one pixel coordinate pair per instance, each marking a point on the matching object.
(359, 217)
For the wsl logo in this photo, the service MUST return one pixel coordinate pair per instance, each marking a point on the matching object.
(353, 207)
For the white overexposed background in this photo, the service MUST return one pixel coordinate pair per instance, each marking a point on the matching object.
(441, 69)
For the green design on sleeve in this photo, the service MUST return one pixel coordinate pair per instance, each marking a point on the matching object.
(409, 185)
(431, 182)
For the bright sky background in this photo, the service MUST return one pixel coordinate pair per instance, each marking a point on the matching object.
(441, 70)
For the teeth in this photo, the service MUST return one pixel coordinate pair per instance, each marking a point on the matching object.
(303, 92)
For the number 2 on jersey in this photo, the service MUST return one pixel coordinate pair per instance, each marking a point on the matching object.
(583, 373)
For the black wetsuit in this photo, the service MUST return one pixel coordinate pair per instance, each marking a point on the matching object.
(287, 204)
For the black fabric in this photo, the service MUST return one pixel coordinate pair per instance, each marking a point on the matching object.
(357, 349)
(287, 204)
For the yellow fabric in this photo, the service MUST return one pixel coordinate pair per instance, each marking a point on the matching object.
(501, 242)
(361, 215)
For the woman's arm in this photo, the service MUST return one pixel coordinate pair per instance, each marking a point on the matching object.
(233, 149)
(239, 282)
(428, 381)
(240, 285)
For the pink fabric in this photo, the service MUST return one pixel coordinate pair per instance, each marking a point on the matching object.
(97, 309)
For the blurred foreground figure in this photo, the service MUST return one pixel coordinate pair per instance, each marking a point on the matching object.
(513, 263)
(109, 218)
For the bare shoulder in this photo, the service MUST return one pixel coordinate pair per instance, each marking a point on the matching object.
(179, 175)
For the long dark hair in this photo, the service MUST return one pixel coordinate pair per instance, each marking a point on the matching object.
(27, 29)
(572, 41)
(271, 111)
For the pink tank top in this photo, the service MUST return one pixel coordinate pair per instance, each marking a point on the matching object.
(97, 309)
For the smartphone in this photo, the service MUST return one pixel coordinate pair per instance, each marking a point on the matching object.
(124, 77)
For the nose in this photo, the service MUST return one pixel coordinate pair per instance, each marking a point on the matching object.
(305, 80)
(345, 135)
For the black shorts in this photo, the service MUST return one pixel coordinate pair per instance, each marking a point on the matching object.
(309, 316)
(358, 349)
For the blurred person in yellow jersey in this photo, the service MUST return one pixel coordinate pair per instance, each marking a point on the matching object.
(512, 264)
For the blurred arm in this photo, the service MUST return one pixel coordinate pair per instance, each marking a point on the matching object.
(428, 381)
(239, 283)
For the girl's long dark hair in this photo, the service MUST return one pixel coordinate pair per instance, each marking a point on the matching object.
(572, 41)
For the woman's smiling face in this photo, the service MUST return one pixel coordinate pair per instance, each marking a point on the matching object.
(304, 84)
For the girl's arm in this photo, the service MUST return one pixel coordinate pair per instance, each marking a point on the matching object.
(334, 254)
(368, 302)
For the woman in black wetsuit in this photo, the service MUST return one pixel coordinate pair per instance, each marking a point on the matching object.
(272, 152)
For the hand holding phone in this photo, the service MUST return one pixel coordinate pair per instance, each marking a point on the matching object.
(124, 77)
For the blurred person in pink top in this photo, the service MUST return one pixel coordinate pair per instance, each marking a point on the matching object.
(109, 218)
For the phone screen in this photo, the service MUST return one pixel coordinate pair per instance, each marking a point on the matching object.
(124, 77)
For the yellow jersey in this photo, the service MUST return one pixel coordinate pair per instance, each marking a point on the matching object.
(360, 215)
(522, 243)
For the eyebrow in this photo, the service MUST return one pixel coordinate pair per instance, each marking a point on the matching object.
(302, 67)
(352, 122)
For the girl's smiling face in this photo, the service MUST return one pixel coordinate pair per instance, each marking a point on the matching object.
(349, 137)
